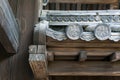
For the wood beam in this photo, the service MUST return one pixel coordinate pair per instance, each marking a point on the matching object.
(5, 41)
(9, 29)
(88, 68)
(78, 55)
(85, 1)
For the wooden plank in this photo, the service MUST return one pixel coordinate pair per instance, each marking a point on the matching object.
(89, 53)
(79, 49)
(49, 39)
(89, 68)
(78, 45)
(85, 1)
(75, 56)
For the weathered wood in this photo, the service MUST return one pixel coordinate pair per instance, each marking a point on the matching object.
(114, 5)
(85, 78)
(79, 45)
(82, 56)
(50, 40)
(50, 56)
(115, 57)
(85, 1)
(95, 4)
(37, 61)
(16, 67)
(5, 41)
(41, 49)
(59, 49)
(38, 10)
(9, 28)
(89, 68)
(3, 53)
(90, 55)
(38, 65)
(57, 6)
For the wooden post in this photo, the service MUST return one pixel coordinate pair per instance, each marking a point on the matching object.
(38, 62)
(50, 56)
(115, 57)
(82, 56)
(38, 9)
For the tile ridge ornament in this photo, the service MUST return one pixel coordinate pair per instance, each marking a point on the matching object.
(102, 31)
(74, 31)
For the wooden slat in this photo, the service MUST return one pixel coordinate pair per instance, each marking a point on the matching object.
(68, 6)
(78, 6)
(57, 6)
(89, 68)
(85, 1)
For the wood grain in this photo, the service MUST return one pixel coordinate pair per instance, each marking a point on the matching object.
(9, 29)
(38, 65)
(5, 41)
(85, 1)
(97, 68)
(17, 66)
